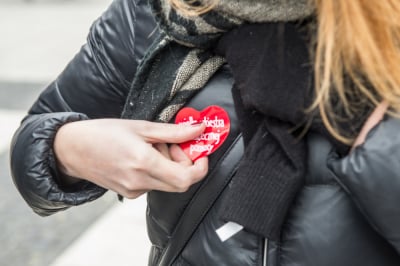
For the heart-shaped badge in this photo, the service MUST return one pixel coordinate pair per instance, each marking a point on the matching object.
(217, 129)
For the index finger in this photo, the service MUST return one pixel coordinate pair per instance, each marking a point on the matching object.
(175, 174)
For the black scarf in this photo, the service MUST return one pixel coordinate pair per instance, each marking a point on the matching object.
(273, 86)
(271, 68)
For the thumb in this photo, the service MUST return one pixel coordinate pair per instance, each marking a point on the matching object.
(169, 133)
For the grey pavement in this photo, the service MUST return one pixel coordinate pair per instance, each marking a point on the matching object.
(19, 95)
(28, 239)
(38, 38)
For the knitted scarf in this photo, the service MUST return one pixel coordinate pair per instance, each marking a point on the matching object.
(179, 64)
(181, 58)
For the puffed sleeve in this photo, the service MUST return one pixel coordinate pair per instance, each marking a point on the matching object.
(371, 176)
(93, 85)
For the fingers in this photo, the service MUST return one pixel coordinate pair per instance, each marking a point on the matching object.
(133, 186)
(167, 133)
(176, 174)
(132, 194)
(163, 149)
(161, 173)
(155, 166)
(178, 155)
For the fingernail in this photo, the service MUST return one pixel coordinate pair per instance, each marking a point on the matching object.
(197, 124)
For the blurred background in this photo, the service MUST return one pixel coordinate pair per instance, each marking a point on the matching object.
(37, 39)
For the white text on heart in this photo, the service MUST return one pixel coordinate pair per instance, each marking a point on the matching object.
(214, 123)
(201, 148)
(209, 136)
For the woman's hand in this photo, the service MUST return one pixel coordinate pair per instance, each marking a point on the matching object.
(129, 157)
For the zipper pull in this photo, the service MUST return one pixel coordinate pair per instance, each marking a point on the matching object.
(228, 230)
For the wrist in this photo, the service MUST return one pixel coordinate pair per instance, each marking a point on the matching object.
(66, 176)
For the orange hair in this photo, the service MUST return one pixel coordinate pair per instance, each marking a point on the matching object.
(357, 40)
(357, 56)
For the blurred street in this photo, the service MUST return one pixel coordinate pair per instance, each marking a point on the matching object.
(38, 38)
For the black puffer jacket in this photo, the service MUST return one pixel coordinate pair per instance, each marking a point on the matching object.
(346, 214)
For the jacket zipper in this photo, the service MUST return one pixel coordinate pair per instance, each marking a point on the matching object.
(265, 252)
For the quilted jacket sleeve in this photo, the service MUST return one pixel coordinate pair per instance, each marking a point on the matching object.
(93, 85)
(371, 176)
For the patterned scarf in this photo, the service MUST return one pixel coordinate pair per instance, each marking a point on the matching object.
(181, 61)
(180, 57)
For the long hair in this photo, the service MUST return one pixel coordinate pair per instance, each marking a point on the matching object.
(357, 56)
(357, 44)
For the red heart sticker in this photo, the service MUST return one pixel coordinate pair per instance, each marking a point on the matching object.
(217, 129)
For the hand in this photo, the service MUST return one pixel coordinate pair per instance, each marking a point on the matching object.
(129, 157)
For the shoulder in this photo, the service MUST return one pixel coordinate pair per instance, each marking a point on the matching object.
(126, 23)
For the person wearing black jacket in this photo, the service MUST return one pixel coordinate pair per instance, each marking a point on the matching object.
(301, 200)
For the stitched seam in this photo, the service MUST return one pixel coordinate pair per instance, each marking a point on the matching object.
(66, 105)
(335, 184)
(279, 247)
(97, 51)
(356, 202)
(187, 263)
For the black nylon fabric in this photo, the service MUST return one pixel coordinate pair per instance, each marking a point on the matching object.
(370, 175)
(346, 216)
(94, 84)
